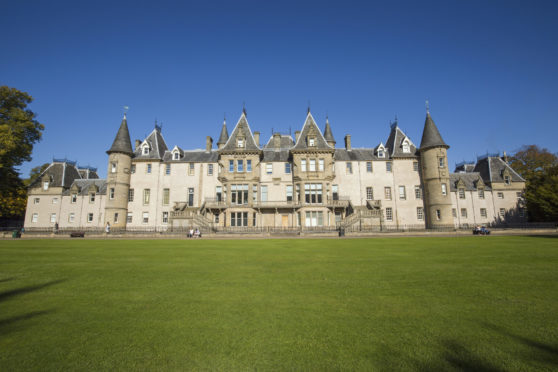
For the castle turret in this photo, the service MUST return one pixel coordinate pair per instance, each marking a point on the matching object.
(224, 137)
(435, 176)
(118, 177)
(328, 135)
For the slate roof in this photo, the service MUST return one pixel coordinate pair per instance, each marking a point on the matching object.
(310, 126)
(157, 146)
(122, 141)
(430, 135)
(470, 181)
(465, 167)
(61, 174)
(355, 155)
(87, 173)
(84, 186)
(193, 156)
(328, 135)
(491, 170)
(242, 129)
(286, 142)
(224, 137)
(394, 143)
(271, 155)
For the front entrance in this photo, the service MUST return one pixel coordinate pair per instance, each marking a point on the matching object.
(284, 220)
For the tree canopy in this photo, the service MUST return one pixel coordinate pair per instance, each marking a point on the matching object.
(539, 167)
(19, 131)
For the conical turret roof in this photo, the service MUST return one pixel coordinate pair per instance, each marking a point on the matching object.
(122, 141)
(328, 135)
(223, 138)
(431, 136)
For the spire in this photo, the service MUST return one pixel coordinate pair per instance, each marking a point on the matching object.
(328, 135)
(224, 134)
(431, 136)
(122, 141)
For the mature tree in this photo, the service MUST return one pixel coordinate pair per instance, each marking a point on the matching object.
(539, 167)
(35, 173)
(19, 131)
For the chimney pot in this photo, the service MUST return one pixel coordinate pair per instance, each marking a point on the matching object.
(297, 134)
(208, 143)
(257, 138)
(348, 142)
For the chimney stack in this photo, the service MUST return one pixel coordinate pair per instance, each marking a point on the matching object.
(138, 143)
(276, 140)
(257, 138)
(208, 144)
(297, 134)
(348, 142)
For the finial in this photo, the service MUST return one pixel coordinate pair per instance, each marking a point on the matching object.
(125, 111)
(308, 107)
(244, 108)
(427, 106)
(395, 121)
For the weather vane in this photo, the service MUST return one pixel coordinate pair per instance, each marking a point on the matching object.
(126, 108)
(427, 107)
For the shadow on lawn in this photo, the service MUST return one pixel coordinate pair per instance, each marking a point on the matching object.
(31, 288)
(6, 280)
(15, 323)
(539, 351)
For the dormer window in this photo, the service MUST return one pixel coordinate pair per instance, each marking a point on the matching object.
(176, 156)
(45, 185)
(311, 141)
(381, 153)
(145, 150)
(507, 179)
(240, 142)
(406, 147)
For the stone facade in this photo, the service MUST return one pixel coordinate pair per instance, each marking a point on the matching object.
(303, 182)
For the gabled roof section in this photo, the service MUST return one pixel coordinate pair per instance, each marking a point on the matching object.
(491, 169)
(241, 130)
(157, 146)
(311, 128)
(59, 174)
(224, 137)
(86, 186)
(286, 142)
(469, 181)
(193, 156)
(122, 141)
(394, 143)
(430, 135)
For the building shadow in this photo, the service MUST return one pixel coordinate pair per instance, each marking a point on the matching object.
(28, 289)
(6, 280)
(18, 323)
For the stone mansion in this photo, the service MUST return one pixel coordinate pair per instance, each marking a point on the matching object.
(305, 182)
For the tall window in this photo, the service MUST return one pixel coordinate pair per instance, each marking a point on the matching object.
(314, 218)
(369, 166)
(464, 212)
(481, 193)
(264, 193)
(131, 195)
(111, 193)
(287, 168)
(420, 213)
(454, 212)
(349, 167)
(388, 166)
(289, 193)
(166, 196)
(112, 167)
(312, 165)
(116, 218)
(461, 193)
(145, 150)
(387, 193)
(402, 193)
(255, 193)
(248, 165)
(92, 197)
(148, 169)
(507, 180)
(165, 217)
(239, 194)
(45, 185)
(502, 212)
(129, 217)
(313, 192)
(167, 169)
(218, 193)
(335, 192)
(74, 198)
(269, 168)
(53, 217)
(438, 214)
(240, 165)
(303, 165)
(483, 212)
(415, 166)
(444, 189)
(145, 217)
(418, 192)
(321, 165)
(210, 169)
(146, 196)
(191, 196)
(176, 155)
(191, 169)
(239, 219)
(369, 193)
(231, 166)
(71, 218)
(133, 169)
(89, 217)
(389, 214)
(441, 162)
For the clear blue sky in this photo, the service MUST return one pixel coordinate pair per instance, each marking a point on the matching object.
(489, 68)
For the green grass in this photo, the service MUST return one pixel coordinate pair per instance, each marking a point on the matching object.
(478, 303)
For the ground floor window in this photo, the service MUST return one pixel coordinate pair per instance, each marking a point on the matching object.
(337, 217)
(145, 217)
(35, 217)
(71, 217)
(464, 212)
(420, 213)
(165, 217)
(483, 212)
(454, 212)
(129, 217)
(502, 212)
(389, 214)
(239, 219)
(90, 217)
(216, 218)
(314, 218)
(53, 217)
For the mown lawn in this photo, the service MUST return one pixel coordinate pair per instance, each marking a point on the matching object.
(478, 303)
